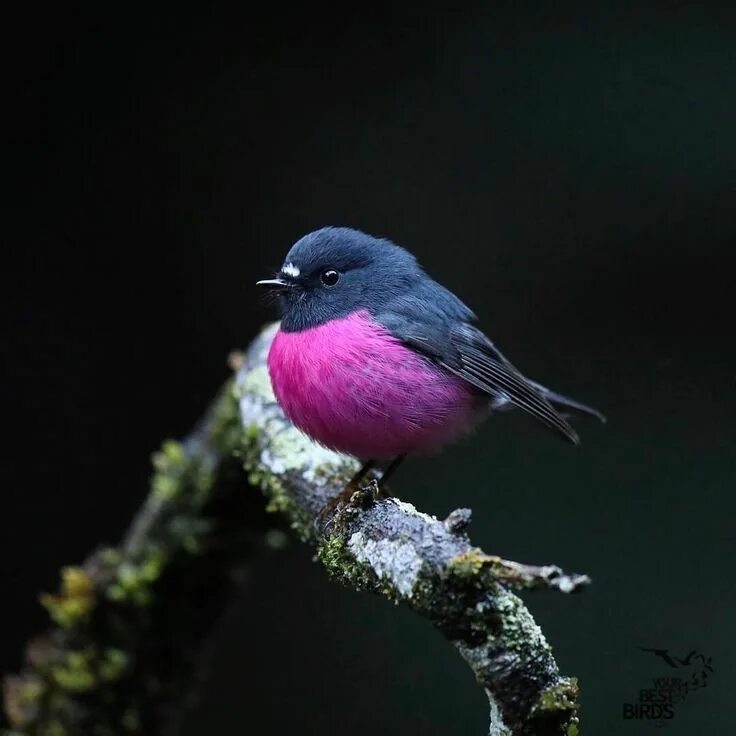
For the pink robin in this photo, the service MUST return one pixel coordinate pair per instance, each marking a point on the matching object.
(375, 359)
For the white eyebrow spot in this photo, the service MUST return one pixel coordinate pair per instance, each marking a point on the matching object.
(290, 270)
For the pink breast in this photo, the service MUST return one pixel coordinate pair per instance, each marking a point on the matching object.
(350, 385)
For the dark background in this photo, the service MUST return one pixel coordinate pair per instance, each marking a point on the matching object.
(570, 170)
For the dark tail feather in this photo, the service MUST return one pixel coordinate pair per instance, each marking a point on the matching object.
(567, 405)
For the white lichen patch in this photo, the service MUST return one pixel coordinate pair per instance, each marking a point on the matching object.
(497, 727)
(291, 450)
(398, 562)
(408, 508)
(255, 383)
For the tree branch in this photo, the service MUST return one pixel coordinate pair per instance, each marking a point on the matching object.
(388, 547)
(127, 640)
(131, 623)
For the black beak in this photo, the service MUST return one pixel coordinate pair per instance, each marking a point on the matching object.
(277, 284)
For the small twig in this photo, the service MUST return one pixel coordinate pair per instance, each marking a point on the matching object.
(518, 575)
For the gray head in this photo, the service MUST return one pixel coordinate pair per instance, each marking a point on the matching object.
(334, 271)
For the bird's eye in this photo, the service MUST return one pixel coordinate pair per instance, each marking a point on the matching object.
(330, 277)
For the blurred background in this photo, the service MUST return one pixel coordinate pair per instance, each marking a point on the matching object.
(568, 169)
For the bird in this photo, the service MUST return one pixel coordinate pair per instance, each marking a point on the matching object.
(375, 359)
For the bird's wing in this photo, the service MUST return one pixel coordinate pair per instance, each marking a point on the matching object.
(483, 366)
(440, 329)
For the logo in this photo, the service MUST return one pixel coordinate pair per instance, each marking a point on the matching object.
(659, 702)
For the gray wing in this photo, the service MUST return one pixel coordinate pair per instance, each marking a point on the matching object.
(439, 327)
(479, 363)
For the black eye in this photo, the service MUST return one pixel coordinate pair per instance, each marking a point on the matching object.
(330, 277)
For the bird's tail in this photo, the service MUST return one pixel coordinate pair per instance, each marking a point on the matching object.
(566, 405)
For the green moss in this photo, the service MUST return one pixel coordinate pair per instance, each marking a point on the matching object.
(252, 433)
(134, 583)
(171, 458)
(341, 564)
(165, 487)
(486, 569)
(73, 605)
(561, 696)
(261, 476)
(170, 463)
(425, 590)
(113, 664)
(468, 565)
(75, 673)
(175, 469)
(110, 556)
(31, 690)
(279, 501)
(520, 632)
(226, 427)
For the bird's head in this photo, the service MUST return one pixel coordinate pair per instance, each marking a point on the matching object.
(332, 272)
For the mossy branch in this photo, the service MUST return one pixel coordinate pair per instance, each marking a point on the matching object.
(388, 547)
(130, 623)
(127, 638)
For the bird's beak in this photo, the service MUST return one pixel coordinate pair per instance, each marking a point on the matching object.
(277, 284)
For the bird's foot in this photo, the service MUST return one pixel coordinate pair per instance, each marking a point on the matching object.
(338, 502)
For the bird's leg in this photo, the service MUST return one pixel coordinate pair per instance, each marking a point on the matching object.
(352, 485)
(390, 470)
